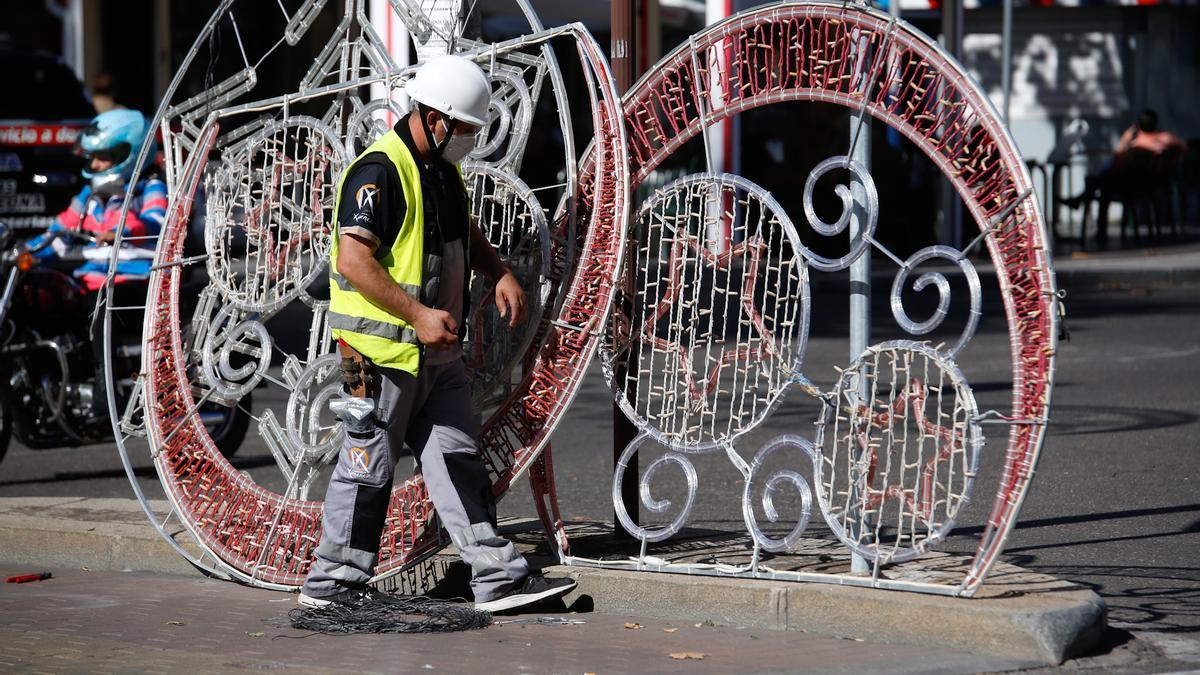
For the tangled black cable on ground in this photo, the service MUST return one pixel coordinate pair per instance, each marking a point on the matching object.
(390, 614)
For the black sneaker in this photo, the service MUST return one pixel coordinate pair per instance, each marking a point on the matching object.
(533, 589)
(349, 597)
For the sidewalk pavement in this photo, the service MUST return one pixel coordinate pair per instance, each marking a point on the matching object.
(1176, 265)
(1154, 267)
(1019, 620)
(90, 618)
(135, 622)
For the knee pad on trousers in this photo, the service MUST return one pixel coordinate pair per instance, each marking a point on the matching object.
(473, 484)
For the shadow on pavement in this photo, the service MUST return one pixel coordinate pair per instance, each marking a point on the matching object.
(140, 472)
(1160, 599)
(1078, 420)
(1088, 518)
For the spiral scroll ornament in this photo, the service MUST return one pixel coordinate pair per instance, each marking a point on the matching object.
(942, 285)
(369, 123)
(657, 506)
(871, 207)
(770, 484)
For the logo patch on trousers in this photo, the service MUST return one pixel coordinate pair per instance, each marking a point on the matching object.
(359, 459)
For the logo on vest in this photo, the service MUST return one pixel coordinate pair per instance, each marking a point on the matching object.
(359, 459)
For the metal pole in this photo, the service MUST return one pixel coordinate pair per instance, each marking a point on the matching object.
(398, 42)
(860, 278)
(1006, 61)
(73, 44)
(720, 138)
(860, 270)
(950, 229)
(623, 64)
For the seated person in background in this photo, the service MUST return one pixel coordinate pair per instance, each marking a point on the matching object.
(1146, 135)
(1140, 141)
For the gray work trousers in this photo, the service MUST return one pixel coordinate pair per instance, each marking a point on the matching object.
(432, 413)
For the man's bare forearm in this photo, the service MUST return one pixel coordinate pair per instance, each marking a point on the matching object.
(373, 282)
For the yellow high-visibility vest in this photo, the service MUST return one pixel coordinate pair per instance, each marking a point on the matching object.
(378, 335)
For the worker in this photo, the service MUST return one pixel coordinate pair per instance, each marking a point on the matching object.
(398, 269)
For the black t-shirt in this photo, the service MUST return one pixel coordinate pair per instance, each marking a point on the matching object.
(373, 204)
(372, 207)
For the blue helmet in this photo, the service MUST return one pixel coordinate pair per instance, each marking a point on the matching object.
(118, 136)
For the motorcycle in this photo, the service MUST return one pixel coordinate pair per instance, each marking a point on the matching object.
(49, 368)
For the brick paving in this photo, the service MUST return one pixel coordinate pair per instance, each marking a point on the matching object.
(101, 622)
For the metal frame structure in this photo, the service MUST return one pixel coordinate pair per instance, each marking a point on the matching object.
(891, 446)
(267, 168)
(713, 329)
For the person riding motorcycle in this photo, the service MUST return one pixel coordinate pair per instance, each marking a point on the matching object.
(111, 145)
(52, 342)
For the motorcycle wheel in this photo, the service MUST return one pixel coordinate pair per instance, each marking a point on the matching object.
(231, 431)
(5, 423)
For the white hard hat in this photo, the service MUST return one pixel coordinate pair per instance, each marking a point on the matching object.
(454, 86)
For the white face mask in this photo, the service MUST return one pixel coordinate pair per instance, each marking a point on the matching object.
(459, 146)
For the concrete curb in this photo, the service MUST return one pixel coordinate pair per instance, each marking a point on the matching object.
(1149, 271)
(1038, 620)
(100, 534)
(1039, 628)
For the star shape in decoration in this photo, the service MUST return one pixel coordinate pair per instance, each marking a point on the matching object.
(683, 248)
(914, 396)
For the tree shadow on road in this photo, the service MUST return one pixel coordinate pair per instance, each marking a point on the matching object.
(1160, 599)
(1074, 420)
(140, 472)
(1147, 598)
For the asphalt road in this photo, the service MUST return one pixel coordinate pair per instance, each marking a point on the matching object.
(1115, 505)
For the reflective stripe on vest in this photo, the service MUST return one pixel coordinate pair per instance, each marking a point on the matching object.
(358, 324)
(344, 284)
(383, 338)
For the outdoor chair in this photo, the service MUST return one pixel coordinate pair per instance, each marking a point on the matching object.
(1141, 183)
